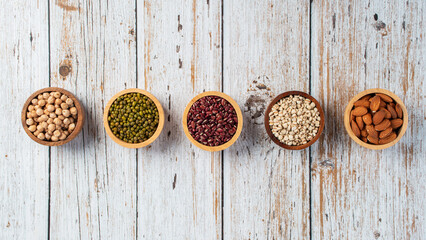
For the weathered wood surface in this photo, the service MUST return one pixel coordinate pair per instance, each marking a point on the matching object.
(93, 188)
(266, 52)
(24, 165)
(179, 56)
(359, 193)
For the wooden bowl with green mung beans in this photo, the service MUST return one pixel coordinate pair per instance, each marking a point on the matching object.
(133, 118)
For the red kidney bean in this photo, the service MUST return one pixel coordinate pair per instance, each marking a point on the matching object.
(212, 121)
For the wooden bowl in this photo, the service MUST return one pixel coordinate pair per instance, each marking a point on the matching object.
(160, 118)
(275, 139)
(239, 125)
(401, 130)
(79, 123)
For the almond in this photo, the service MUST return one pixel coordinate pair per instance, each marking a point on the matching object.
(364, 139)
(359, 111)
(372, 139)
(367, 119)
(362, 103)
(385, 133)
(375, 103)
(396, 123)
(382, 104)
(364, 133)
(359, 122)
(355, 128)
(392, 111)
(388, 139)
(388, 114)
(383, 125)
(371, 131)
(378, 117)
(366, 97)
(385, 97)
(398, 110)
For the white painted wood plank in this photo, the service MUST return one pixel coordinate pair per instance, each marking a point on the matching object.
(24, 173)
(93, 180)
(359, 193)
(179, 56)
(266, 50)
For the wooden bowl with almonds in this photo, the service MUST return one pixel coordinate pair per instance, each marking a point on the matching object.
(376, 118)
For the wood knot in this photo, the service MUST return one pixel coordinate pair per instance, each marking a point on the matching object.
(64, 70)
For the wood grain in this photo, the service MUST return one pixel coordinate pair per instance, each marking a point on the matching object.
(359, 193)
(179, 56)
(266, 52)
(24, 67)
(93, 179)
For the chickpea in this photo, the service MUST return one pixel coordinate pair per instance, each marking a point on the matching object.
(39, 112)
(50, 108)
(58, 111)
(71, 127)
(58, 101)
(64, 98)
(29, 121)
(66, 113)
(50, 121)
(64, 105)
(41, 136)
(41, 102)
(36, 107)
(52, 115)
(36, 133)
(52, 93)
(61, 117)
(71, 120)
(51, 100)
(31, 108)
(44, 125)
(29, 115)
(48, 136)
(32, 128)
(55, 138)
(51, 127)
(66, 121)
(66, 133)
(73, 110)
(69, 101)
(57, 106)
(34, 101)
(43, 118)
(40, 128)
(34, 114)
(58, 127)
(57, 121)
(57, 133)
(62, 137)
(46, 95)
(46, 112)
(40, 97)
(57, 94)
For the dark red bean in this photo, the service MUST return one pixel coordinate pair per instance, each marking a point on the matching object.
(212, 121)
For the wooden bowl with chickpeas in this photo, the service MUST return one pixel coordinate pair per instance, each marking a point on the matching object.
(52, 116)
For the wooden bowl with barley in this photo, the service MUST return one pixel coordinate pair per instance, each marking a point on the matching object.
(376, 118)
(294, 120)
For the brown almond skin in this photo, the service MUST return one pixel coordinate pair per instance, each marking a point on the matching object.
(392, 111)
(388, 114)
(366, 97)
(359, 122)
(392, 104)
(371, 131)
(375, 103)
(396, 123)
(398, 110)
(388, 139)
(378, 117)
(383, 125)
(385, 97)
(359, 103)
(368, 120)
(359, 111)
(382, 104)
(385, 133)
(364, 133)
(364, 139)
(355, 129)
(372, 139)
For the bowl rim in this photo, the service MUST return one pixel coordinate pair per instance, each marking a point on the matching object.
(160, 118)
(239, 125)
(371, 91)
(275, 139)
(79, 123)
